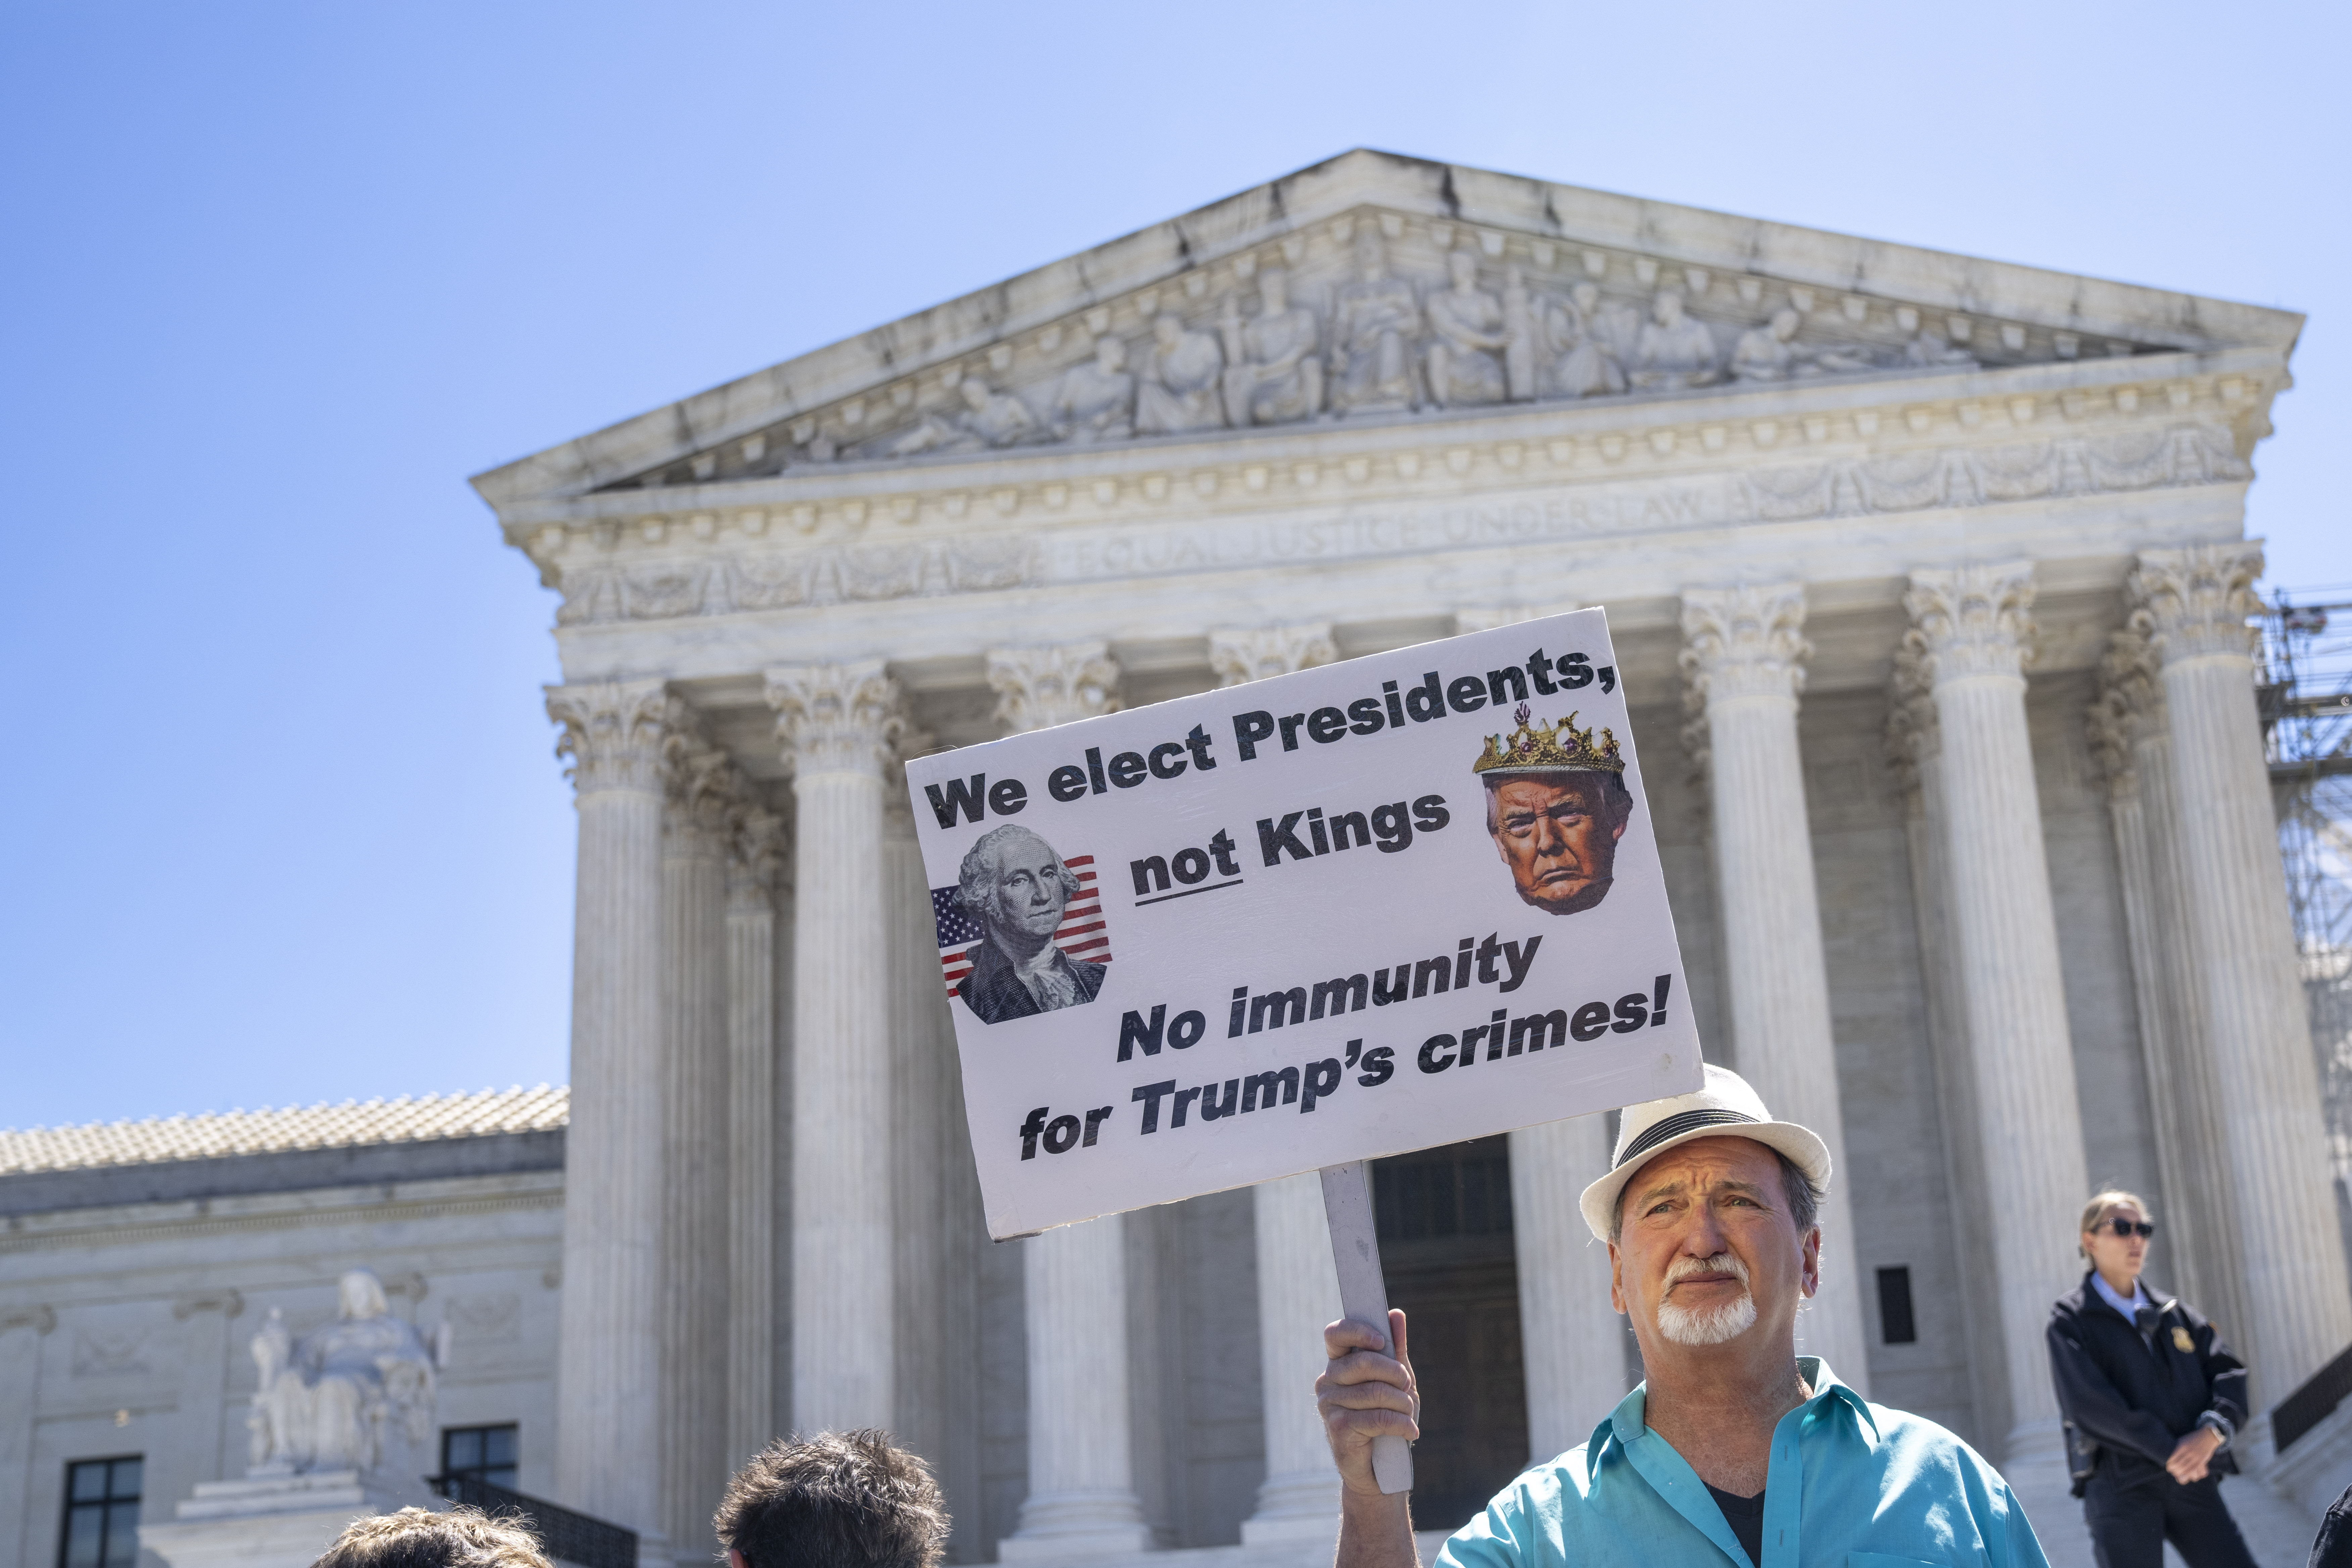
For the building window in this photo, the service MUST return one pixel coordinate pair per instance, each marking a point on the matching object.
(480, 1454)
(101, 1527)
(1894, 1322)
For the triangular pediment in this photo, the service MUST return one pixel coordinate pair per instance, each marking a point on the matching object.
(1413, 290)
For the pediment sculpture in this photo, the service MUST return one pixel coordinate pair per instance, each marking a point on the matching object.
(347, 1396)
(1362, 337)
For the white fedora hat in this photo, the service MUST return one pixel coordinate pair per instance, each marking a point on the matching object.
(1722, 1106)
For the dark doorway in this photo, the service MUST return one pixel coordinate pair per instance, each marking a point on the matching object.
(1444, 1217)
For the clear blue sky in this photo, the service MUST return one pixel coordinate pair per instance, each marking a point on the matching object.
(282, 819)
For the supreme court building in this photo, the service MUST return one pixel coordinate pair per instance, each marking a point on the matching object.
(1929, 585)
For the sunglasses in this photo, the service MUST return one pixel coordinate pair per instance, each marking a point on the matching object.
(2138, 1227)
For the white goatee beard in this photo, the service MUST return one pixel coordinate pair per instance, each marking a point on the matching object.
(1710, 1325)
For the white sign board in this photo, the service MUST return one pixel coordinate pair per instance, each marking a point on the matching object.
(1268, 928)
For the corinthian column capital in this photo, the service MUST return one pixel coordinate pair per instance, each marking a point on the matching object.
(1053, 683)
(1744, 642)
(2193, 603)
(1970, 621)
(1912, 736)
(759, 866)
(1240, 654)
(705, 791)
(837, 718)
(2128, 709)
(614, 732)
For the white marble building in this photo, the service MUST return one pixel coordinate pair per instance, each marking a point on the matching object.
(1930, 572)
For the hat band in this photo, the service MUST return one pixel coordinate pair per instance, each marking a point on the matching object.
(1674, 1126)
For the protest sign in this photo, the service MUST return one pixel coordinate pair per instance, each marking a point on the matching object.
(1385, 904)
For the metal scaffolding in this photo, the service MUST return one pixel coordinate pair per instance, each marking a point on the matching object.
(2305, 697)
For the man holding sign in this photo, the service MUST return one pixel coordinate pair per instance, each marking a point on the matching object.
(1733, 1446)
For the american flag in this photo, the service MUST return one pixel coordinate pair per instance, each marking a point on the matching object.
(1082, 934)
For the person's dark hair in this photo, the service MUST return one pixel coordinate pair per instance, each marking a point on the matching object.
(1804, 1198)
(839, 1500)
(418, 1538)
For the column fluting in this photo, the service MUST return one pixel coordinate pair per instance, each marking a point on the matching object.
(1572, 1341)
(1082, 1498)
(2194, 603)
(1971, 628)
(839, 723)
(608, 1386)
(1743, 659)
(754, 871)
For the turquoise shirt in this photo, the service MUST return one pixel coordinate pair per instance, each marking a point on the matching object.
(1851, 1483)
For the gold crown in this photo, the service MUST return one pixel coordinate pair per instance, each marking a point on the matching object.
(1551, 748)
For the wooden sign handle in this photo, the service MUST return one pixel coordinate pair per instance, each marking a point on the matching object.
(1363, 1294)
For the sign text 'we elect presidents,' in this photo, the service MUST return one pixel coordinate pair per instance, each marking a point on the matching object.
(1395, 902)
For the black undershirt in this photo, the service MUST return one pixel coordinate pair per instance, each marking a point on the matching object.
(1746, 1517)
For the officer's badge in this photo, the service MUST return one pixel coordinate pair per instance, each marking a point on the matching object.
(2180, 1340)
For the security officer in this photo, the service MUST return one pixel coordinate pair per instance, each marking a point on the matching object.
(2154, 1398)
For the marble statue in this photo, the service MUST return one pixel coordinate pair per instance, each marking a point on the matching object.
(1467, 339)
(1273, 373)
(1519, 336)
(1931, 348)
(1374, 320)
(1769, 352)
(1179, 389)
(1095, 399)
(1675, 349)
(1587, 342)
(331, 1402)
(987, 419)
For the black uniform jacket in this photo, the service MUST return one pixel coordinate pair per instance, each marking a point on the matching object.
(2135, 1403)
(992, 990)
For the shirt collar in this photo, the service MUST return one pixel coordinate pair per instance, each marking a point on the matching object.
(2108, 1294)
(1628, 1422)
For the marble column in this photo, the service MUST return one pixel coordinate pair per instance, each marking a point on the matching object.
(1743, 659)
(608, 1381)
(754, 871)
(1572, 1341)
(1082, 1500)
(1297, 1286)
(2129, 736)
(839, 724)
(22, 1330)
(1914, 751)
(2193, 605)
(704, 792)
(1970, 629)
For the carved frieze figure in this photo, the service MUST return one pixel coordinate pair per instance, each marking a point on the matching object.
(1932, 348)
(1095, 399)
(1769, 352)
(330, 1402)
(1675, 349)
(1519, 334)
(987, 419)
(1374, 320)
(1467, 339)
(1178, 390)
(1273, 373)
(1587, 342)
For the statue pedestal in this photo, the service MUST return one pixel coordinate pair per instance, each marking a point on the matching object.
(270, 1522)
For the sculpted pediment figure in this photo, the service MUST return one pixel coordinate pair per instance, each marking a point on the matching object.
(1675, 349)
(1180, 388)
(1095, 399)
(1374, 320)
(1588, 341)
(1273, 373)
(1468, 339)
